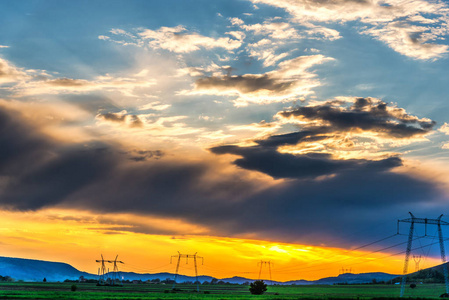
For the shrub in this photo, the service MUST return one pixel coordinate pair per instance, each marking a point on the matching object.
(258, 287)
(73, 287)
(413, 285)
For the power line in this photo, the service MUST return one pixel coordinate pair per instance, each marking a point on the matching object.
(348, 258)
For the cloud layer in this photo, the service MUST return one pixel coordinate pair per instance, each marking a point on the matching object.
(37, 172)
(413, 28)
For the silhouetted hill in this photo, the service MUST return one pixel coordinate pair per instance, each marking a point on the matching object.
(37, 270)
(350, 278)
(428, 275)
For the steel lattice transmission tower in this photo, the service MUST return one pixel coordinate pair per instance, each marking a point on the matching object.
(265, 263)
(187, 256)
(417, 259)
(414, 220)
(115, 272)
(101, 271)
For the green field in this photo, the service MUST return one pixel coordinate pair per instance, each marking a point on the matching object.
(158, 291)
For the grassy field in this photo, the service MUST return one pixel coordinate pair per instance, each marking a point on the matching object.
(146, 291)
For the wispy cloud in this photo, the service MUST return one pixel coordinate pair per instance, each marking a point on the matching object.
(176, 39)
(411, 28)
(290, 81)
(124, 85)
(10, 73)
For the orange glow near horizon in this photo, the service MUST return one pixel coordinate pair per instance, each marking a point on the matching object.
(79, 241)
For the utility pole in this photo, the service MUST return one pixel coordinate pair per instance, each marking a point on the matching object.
(265, 263)
(426, 222)
(115, 272)
(344, 271)
(417, 259)
(187, 256)
(101, 271)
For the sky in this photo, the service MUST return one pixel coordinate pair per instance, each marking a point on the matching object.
(290, 131)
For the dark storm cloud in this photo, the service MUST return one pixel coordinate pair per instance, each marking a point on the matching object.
(20, 145)
(100, 178)
(283, 165)
(326, 196)
(320, 211)
(67, 172)
(365, 114)
(310, 135)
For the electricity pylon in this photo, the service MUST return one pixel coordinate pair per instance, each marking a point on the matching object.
(345, 270)
(187, 256)
(414, 220)
(115, 272)
(101, 271)
(266, 263)
(417, 259)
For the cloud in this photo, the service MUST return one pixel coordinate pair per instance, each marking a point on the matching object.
(124, 85)
(268, 56)
(290, 81)
(285, 165)
(444, 128)
(274, 30)
(20, 145)
(157, 105)
(321, 31)
(101, 177)
(142, 155)
(319, 211)
(177, 39)
(10, 73)
(408, 40)
(408, 27)
(328, 130)
(365, 114)
(121, 118)
(70, 174)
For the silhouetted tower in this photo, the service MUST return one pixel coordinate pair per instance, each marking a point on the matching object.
(265, 263)
(345, 270)
(101, 271)
(417, 259)
(187, 256)
(413, 220)
(115, 272)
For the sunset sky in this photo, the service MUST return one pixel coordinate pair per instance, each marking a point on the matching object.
(290, 131)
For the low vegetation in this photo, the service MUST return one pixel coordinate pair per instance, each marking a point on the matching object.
(258, 287)
(90, 291)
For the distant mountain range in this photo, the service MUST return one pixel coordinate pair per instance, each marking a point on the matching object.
(37, 270)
